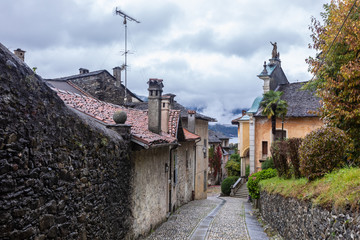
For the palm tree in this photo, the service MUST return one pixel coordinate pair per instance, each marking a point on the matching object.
(274, 107)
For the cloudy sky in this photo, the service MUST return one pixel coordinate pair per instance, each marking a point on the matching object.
(207, 52)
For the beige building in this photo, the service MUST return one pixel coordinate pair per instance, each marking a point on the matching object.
(254, 129)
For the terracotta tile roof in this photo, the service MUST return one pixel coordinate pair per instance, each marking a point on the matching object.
(138, 119)
(189, 135)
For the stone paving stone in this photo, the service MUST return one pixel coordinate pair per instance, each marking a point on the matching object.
(229, 223)
(182, 223)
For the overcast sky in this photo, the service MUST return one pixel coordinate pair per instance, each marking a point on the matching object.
(207, 52)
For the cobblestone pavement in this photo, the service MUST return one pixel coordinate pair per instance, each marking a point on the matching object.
(229, 223)
(181, 224)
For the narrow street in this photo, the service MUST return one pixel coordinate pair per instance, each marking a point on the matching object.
(212, 218)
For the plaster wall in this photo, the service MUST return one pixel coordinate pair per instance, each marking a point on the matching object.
(202, 162)
(294, 127)
(150, 189)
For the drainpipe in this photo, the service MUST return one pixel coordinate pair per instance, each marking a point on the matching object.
(194, 177)
(170, 176)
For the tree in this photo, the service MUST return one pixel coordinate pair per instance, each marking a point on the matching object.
(233, 165)
(337, 66)
(215, 160)
(273, 106)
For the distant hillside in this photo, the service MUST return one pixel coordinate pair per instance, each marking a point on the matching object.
(228, 130)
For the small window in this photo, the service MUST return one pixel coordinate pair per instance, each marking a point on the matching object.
(264, 149)
(163, 105)
(280, 134)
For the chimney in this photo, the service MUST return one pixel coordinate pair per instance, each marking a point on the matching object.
(83, 70)
(20, 54)
(117, 76)
(165, 109)
(171, 99)
(154, 104)
(191, 121)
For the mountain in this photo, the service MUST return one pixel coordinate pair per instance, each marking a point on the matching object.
(228, 130)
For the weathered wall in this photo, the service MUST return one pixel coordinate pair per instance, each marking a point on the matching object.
(202, 162)
(61, 176)
(295, 127)
(150, 188)
(185, 185)
(296, 219)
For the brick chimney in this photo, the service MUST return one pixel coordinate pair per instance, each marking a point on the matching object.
(154, 104)
(20, 54)
(83, 70)
(191, 121)
(117, 75)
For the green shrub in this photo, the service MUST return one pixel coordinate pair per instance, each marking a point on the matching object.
(322, 151)
(254, 179)
(227, 183)
(293, 154)
(247, 171)
(233, 165)
(269, 163)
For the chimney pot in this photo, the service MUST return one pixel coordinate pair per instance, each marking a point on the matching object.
(83, 70)
(20, 54)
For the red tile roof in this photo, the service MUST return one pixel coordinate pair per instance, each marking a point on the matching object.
(138, 119)
(189, 135)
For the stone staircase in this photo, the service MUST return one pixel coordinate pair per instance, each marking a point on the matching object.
(242, 192)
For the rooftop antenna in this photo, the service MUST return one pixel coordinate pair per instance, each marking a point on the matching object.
(126, 17)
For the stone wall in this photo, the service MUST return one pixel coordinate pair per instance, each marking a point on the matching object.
(62, 175)
(295, 219)
(102, 86)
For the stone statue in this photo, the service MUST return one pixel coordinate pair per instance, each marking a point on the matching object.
(274, 52)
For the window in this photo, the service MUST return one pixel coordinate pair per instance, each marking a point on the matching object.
(279, 134)
(264, 149)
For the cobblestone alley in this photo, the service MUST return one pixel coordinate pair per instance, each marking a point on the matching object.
(212, 218)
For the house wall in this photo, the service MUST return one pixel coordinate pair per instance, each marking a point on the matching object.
(152, 184)
(150, 189)
(295, 127)
(185, 186)
(202, 161)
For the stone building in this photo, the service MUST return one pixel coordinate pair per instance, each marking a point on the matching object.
(163, 154)
(99, 84)
(254, 129)
(195, 124)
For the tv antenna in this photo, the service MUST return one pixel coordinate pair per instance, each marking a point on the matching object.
(126, 17)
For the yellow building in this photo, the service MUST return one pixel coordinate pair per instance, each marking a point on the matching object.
(254, 129)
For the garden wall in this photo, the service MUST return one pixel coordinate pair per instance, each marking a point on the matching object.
(295, 219)
(62, 175)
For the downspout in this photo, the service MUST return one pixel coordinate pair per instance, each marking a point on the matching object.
(170, 176)
(194, 177)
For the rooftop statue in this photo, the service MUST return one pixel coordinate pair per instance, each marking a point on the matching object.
(274, 52)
